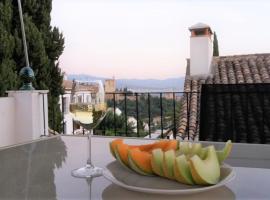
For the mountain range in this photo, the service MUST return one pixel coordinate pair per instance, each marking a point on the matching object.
(175, 84)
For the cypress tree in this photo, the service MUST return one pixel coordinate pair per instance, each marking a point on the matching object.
(8, 74)
(215, 45)
(45, 45)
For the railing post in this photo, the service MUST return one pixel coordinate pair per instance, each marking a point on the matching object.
(263, 133)
(72, 126)
(187, 93)
(248, 137)
(126, 113)
(137, 114)
(149, 115)
(174, 120)
(161, 115)
(114, 117)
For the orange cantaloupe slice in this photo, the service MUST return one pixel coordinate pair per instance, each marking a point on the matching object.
(113, 146)
(140, 161)
(171, 145)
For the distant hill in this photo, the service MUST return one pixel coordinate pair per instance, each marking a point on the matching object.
(169, 84)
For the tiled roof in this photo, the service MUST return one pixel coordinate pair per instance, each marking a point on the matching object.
(238, 69)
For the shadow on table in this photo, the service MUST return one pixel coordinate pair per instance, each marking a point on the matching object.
(115, 192)
(27, 171)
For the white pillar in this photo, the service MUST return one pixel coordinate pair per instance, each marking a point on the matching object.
(7, 118)
(31, 114)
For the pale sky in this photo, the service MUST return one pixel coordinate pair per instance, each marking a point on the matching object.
(150, 38)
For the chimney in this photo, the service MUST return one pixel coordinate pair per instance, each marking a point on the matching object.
(201, 50)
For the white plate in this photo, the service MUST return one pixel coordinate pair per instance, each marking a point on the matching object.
(130, 180)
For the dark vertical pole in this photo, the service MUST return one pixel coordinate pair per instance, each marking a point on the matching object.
(174, 120)
(43, 104)
(248, 136)
(263, 133)
(63, 113)
(126, 113)
(161, 115)
(72, 126)
(149, 115)
(230, 136)
(187, 114)
(114, 116)
(137, 114)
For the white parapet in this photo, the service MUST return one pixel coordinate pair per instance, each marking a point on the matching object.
(31, 114)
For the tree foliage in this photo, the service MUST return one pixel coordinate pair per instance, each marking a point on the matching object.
(215, 45)
(45, 45)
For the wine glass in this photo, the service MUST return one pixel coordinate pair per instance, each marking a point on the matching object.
(81, 112)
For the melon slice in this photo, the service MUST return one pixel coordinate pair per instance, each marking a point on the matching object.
(195, 148)
(182, 171)
(157, 161)
(225, 152)
(171, 144)
(205, 172)
(184, 148)
(140, 161)
(168, 164)
(113, 146)
(121, 153)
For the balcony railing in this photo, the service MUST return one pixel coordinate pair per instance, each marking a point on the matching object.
(154, 113)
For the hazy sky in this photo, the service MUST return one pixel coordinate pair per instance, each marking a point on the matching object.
(150, 38)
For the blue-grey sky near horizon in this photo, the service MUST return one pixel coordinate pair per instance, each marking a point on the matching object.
(150, 38)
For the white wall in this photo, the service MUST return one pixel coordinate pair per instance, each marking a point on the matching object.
(201, 53)
(22, 118)
(7, 126)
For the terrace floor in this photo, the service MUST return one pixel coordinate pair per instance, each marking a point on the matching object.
(42, 170)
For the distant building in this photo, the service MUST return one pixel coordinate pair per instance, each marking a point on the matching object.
(85, 95)
(109, 87)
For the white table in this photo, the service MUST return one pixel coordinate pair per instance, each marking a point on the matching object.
(41, 170)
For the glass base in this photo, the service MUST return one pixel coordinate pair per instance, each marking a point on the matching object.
(87, 172)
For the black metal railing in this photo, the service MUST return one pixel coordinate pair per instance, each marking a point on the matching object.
(154, 112)
(144, 113)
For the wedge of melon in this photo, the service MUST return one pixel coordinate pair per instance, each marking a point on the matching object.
(157, 161)
(207, 171)
(113, 146)
(195, 148)
(140, 161)
(184, 148)
(168, 164)
(182, 171)
(121, 153)
(225, 152)
(171, 144)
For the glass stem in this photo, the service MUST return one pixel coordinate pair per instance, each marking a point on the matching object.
(89, 160)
